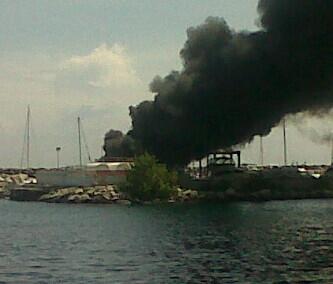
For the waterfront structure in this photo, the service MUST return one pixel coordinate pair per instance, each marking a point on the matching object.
(99, 173)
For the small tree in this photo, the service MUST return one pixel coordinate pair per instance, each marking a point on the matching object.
(149, 180)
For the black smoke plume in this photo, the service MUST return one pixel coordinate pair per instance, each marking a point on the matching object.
(235, 85)
(116, 144)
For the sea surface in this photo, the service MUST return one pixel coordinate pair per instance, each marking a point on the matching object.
(273, 242)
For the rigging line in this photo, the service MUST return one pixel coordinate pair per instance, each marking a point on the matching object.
(85, 142)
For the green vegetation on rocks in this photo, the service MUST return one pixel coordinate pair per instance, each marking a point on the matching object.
(150, 180)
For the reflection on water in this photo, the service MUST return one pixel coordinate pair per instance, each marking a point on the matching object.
(274, 242)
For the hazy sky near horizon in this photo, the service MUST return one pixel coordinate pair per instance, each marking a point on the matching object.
(95, 58)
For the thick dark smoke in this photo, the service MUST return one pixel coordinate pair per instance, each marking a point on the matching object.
(116, 144)
(235, 85)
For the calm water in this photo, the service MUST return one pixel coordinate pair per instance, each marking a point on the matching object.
(273, 242)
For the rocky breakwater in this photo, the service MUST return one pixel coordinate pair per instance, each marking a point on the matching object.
(185, 195)
(96, 194)
(180, 195)
(109, 194)
(8, 181)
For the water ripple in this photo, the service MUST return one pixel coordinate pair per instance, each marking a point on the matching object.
(274, 242)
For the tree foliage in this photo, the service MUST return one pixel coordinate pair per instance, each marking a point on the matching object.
(149, 179)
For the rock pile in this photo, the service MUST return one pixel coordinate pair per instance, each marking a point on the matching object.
(96, 194)
(184, 195)
(6, 180)
(107, 194)
(16, 179)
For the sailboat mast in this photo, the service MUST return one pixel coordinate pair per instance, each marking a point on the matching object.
(79, 130)
(284, 142)
(28, 137)
(261, 152)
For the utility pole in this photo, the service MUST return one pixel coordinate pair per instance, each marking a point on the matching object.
(284, 142)
(79, 130)
(28, 137)
(58, 154)
(261, 152)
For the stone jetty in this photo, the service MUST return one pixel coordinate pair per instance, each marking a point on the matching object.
(10, 180)
(24, 187)
(20, 186)
(95, 194)
(108, 194)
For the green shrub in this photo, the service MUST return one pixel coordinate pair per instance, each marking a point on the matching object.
(149, 180)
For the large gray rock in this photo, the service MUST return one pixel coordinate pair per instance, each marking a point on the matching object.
(186, 195)
(107, 196)
(78, 191)
(79, 198)
(58, 195)
(179, 192)
(114, 199)
(111, 188)
(8, 179)
(47, 197)
(96, 193)
(19, 178)
(90, 190)
(101, 188)
(114, 194)
(66, 191)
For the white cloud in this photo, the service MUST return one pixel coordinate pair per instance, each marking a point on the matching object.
(98, 86)
(107, 67)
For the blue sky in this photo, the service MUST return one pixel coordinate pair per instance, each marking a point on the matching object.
(94, 59)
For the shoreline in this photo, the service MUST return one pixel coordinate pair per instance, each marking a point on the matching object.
(233, 188)
(111, 195)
